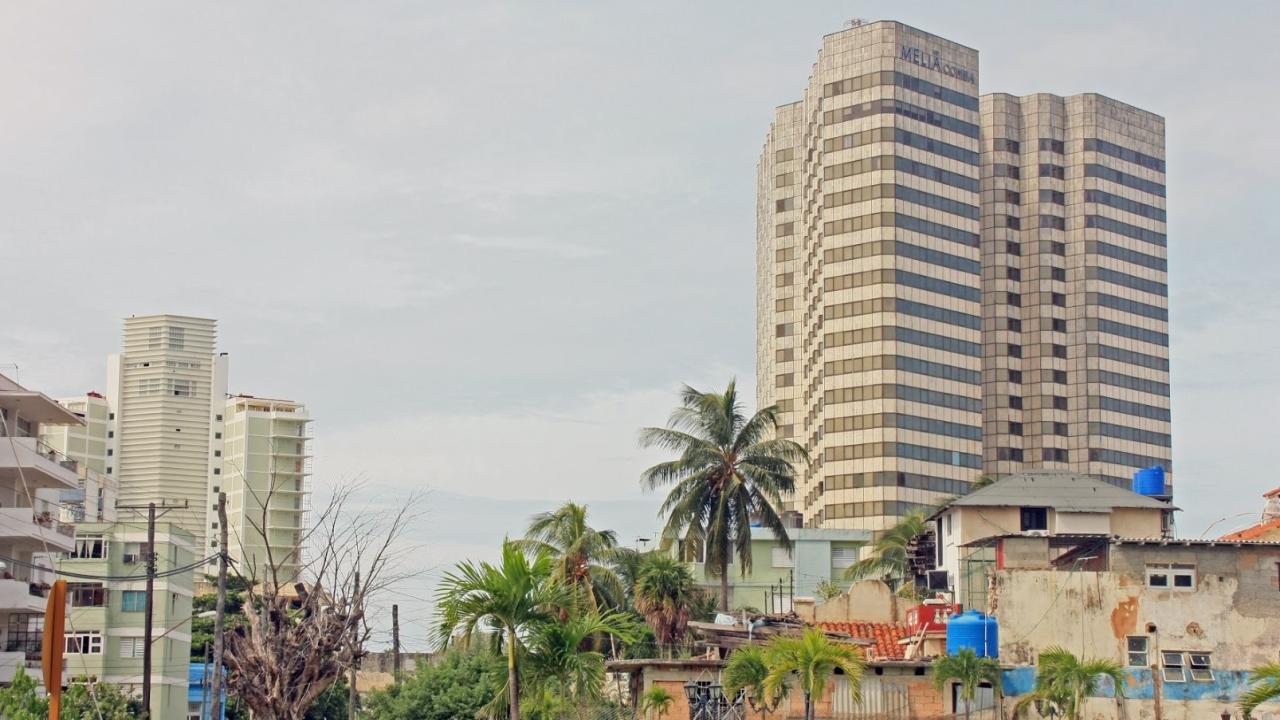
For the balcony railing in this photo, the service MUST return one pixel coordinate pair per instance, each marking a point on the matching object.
(54, 455)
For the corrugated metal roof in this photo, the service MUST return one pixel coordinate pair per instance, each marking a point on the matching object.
(1059, 489)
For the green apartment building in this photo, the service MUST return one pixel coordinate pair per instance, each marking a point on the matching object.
(104, 634)
(816, 555)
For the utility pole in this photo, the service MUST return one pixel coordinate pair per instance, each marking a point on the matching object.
(395, 643)
(220, 609)
(150, 601)
(351, 691)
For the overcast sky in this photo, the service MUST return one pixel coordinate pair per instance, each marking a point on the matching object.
(484, 242)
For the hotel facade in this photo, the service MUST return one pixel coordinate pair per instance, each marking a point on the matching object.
(952, 284)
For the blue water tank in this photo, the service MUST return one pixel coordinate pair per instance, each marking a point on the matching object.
(1149, 481)
(973, 630)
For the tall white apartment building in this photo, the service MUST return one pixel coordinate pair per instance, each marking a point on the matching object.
(167, 390)
(92, 446)
(264, 474)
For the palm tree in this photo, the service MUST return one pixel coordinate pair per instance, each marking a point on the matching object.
(890, 558)
(626, 563)
(730, 473)
(1063, 681)
(664, 596)
(506, 600)
(582, 553)
(656, 700)
(556, 664)
(814, 659)
(746, 671)
(1266, 687)
(970, 671)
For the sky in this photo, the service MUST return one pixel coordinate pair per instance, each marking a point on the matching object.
(485, 242)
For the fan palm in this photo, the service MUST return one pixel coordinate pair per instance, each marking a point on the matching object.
(1266, 687)
(890, 558)
(1063, 681)
(969, 671)
(556, 664)
(814, 659)
(665, 595)
(729, 474)
(582, 553)
(506, 600)
(746, 671)
(656, 700)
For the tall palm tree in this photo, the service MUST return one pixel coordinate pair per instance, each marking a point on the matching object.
(970, 671)
(1266, 687)
(747, 670)
(665, 594)
(582, 553)
(1063, 681)
(890, 556)
(814, 659)
(729, 474)
(556, 663)
(506, 600)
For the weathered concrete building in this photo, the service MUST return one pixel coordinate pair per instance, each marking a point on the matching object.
(1189, 619)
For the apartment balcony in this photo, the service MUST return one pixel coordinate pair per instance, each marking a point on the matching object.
(11, 661)
(40, 465)
(22, 596)
(36, 527)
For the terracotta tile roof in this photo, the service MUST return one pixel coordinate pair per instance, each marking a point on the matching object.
(1254, 532)
(884, 637)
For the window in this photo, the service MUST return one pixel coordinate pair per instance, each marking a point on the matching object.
(1060, 377)
(1015, 376)
(1200, 669)
(1173, 669)
(1015, 402)
(1058, 325)
(1013, 324)
(132, 647)
(218, 453)
(87, 594)
(1015, 428)
(217, 471)
(782, 558)
(217, 418)
(90, 547)
(133, 600)
(1058, 274)
(1035, 518)
(1138, 651)
(88, 642)
(1014, 350)
(1059, 299)
(110, 452)
(846, 557)
(111, 416)
(1013, 273)
(1012, 247)
(217, 436)
(1172, 576)
(784, 204)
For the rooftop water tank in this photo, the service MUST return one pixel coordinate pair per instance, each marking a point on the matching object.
(973, 630)
(1149, 481)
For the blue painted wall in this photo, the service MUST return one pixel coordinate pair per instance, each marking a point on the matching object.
(1227, 685)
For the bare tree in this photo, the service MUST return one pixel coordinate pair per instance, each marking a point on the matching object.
(302, 631)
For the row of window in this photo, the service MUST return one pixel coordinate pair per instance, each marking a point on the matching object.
(1106, 352)
(1058, 429)
(907, 250)
(1154, 312)
(1057, 402)
(1127, 407)
(1125, 229)
(1131, 256)
(851, 481)
(907, 335)
(89, 642)
(1042, 298)
(1123, 203)
(902, 137)
(896, 162)
(1123, 153)
(1121, 178)
(166, 386)
(1047, 247)
(906, 307)
(1146, 437)
(902, 277)
(1128, 382)
(903, 422)
(1044, 375)
(1058, 351)
(904, 109)
(902, 80)
(901, 192)
(904, 364)
(1049, 454)
(1133, 460)
(870, 508)
(1128, 331)
(906, 451)
(933, 398)
(1132, 282)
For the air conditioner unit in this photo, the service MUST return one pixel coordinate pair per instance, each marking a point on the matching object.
(130, 558)
(937, 580)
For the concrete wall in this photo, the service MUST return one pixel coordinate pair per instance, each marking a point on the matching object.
(1233, 613)
(864, 601)
(1136, 523)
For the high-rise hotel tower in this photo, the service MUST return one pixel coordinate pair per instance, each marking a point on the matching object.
(951, 285)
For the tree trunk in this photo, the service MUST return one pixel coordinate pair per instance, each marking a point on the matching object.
(724, 584)
(966, 709)
(513, 675)
(808, 706)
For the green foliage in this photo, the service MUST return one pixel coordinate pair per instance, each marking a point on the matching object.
(332, 704)
(459, 685)
(665, 595)
(730, 473)
(1063, 681)
(889, 558)
(559, 661)
(969, 670)
(748, 670)
(1265, 681)
(813, 659)
(112, 703)
(828, 590)
(581, 553)
(656, 702)
(202, 627)
(19, 700)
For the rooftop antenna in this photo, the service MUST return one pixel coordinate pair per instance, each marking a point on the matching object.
(855, 22)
